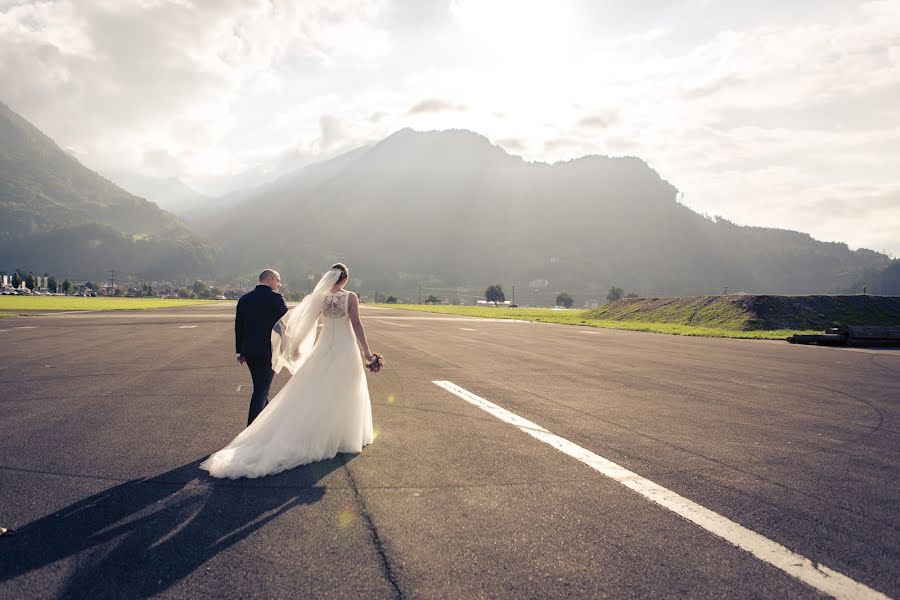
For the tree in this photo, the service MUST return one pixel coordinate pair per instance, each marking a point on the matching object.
(565, 300)
(392, 299)
(615, 294)
(200, 289)
(432, 299)
(30, 283)
(16, 280)
(494, 293)
(66, 286)
(52, 285)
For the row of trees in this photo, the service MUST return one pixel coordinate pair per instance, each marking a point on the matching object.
(382, 299)
(616, 293)
(494, 293)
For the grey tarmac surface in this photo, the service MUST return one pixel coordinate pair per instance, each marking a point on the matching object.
(106, 416)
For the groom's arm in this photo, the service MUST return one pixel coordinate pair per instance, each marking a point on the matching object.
(282, 306)
(238, 329)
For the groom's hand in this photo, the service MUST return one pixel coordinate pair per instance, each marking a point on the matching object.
(241, 360)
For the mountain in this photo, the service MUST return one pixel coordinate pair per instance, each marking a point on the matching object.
(450, 209)
(57, 215)
(169, 193)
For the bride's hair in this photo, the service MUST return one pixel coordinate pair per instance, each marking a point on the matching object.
(345, 272)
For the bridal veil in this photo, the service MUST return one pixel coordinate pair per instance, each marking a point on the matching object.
(294, 335)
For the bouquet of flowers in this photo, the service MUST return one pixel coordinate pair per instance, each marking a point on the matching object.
(376, 363)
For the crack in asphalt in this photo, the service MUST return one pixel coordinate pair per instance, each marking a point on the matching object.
(377, 542)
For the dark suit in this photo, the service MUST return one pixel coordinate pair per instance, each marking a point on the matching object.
(257, 313)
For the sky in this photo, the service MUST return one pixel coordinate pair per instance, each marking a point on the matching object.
(772, 113)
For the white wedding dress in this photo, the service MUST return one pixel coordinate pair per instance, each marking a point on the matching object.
(322, 410)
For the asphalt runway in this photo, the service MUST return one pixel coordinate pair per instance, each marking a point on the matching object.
(106, 417)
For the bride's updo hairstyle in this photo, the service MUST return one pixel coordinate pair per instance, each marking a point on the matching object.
(345, 272)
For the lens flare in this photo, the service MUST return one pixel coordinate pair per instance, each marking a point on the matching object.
(376, 432)
(345, 517)
(391, 399)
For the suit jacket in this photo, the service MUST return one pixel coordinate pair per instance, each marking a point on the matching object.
(257, 313)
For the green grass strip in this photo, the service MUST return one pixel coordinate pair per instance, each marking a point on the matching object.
(30, 304)
(578, 317)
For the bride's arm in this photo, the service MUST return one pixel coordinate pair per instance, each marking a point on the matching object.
(353, 307)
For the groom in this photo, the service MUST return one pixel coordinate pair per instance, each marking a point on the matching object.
(257, 313)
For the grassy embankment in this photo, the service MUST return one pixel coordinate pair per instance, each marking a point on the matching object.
(749, 317)
(12, 306)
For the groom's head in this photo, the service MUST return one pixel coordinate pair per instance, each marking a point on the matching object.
(271, 278)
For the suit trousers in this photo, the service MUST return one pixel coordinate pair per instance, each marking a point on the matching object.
(261, 372)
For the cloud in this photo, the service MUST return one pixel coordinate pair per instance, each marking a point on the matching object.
(160, 162)
(333, 133)
(755, 110)
(435, 105)
(649, 35)
(599, 121)
(563, 143)
(118, 79)
(513, 145)
(708, 89)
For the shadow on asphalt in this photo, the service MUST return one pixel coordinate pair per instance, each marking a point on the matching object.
(139, 538)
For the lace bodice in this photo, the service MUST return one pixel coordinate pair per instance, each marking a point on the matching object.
(335, 305)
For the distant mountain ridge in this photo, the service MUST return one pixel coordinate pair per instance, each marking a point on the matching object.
(449, 208)
(442, 208)
(169, 193)
(58, 215)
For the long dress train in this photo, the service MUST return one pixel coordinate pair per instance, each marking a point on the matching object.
(322, 410)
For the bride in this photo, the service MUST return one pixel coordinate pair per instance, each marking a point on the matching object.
(324, 408)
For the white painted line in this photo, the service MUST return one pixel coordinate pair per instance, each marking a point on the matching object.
(26, 327)
(394, 324)
(188, 327)
(814, 574)
(589, 332)
(467, 329)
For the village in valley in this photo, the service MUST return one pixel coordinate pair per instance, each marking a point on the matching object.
(29, 284)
